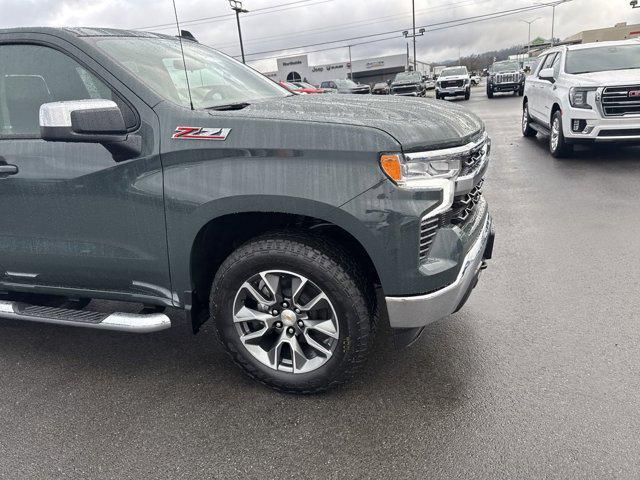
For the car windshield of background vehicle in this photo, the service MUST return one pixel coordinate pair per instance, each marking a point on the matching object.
(408, 76)
(505, 67)
(214, 78)
(601, 59)
(346, 83)
(449, 72)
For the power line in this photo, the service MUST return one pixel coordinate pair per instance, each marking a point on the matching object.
(466, 20)
(360, 23)
(254, 12)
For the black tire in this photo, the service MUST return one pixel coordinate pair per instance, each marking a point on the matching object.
(327, 266)
(467, 94)
(521, 92)
(438, 96)
(527, 131)
(489, 92)
(559, 148)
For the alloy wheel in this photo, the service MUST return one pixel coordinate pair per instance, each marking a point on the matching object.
(285, 321)
(555, 134)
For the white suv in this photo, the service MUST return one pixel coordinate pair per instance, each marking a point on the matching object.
(584, 93)
(453, 82)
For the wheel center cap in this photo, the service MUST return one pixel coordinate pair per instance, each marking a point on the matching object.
(288, 317)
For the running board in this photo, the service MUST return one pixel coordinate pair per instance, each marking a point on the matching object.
(540, 129)
(122, 322)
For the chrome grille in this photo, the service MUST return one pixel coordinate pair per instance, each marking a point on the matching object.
(619, 101)
(452, 83)
(475, 157)
(507, 78)
(428, 230)
(464, 206)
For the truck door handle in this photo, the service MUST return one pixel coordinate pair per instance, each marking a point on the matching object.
(6, 170)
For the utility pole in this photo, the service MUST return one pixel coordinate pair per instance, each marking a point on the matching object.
(350, 66)
(553, 6)
(236, 5)
(529, 22)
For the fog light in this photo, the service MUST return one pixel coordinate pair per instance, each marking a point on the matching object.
(578, 125)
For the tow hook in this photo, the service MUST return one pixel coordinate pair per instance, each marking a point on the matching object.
(483, 265)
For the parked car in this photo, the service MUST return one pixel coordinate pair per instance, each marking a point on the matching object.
(281, 218)
(454, 82)
(584, 94)
(308, 88)
(430, 84)
(381, 88)
(343, 85)
(506, 76)
(409, 84)
(475, 79)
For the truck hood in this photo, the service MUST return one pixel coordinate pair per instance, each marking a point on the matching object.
(453, 77)
(416, 123)
(405, 82)
(603, 79)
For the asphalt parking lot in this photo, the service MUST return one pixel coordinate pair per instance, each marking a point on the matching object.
(537, 377)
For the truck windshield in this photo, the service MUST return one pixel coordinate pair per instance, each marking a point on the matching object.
(450, 72)
(602, 59)
(214, 78)
(408, 77)
(505, 67)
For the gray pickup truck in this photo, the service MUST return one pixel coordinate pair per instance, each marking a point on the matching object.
(131, 173)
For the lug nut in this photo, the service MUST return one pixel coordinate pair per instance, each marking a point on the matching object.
(285, 304)
(290, 331)
(297, 310)
(300, 323)
(278, 324)
(274, 312)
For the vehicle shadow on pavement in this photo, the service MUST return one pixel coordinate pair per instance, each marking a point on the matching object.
(441, 362)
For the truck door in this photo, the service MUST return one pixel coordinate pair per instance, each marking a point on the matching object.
(548, 96)
(74, 220)
(538, 105)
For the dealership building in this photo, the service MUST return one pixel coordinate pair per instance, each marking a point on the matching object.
(370, 70)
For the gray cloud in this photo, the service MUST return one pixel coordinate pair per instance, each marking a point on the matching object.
(323, 20)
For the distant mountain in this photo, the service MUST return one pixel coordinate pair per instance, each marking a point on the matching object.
(480, 61)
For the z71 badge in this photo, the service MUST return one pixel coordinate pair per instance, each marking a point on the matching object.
(200, 133)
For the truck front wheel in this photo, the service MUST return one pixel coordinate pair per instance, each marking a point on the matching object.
(489, 92)
(558, 145)
(294, 312)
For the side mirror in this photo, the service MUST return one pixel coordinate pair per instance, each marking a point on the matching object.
(89, 121)
(547, 74)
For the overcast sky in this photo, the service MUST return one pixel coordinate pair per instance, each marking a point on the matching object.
(304, 22)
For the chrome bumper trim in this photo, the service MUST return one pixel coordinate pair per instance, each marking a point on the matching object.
(421, 310)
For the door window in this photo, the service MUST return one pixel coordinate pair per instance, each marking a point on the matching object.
(31, 75)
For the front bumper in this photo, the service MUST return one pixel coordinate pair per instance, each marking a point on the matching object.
(452, 91)
(420, 310)
(598, 128)
(506, 87)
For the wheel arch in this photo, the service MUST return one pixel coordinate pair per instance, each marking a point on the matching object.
(230, 222)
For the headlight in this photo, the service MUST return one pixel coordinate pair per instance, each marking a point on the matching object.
(420, 170)
(579, 97)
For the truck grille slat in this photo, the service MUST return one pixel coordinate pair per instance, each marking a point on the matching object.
(620, 101)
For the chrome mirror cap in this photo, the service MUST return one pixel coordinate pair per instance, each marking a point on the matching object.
(58, 114)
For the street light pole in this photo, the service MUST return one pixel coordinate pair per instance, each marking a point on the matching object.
(413, 35)
(529, 22)
(236, 6)
(413, 9)
(553, 6)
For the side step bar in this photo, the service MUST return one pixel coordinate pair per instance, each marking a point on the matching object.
(123, 322)
(540, 129)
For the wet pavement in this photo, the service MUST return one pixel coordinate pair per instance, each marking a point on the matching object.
(537, 377)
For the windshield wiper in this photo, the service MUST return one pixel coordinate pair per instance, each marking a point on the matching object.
(229, 106)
